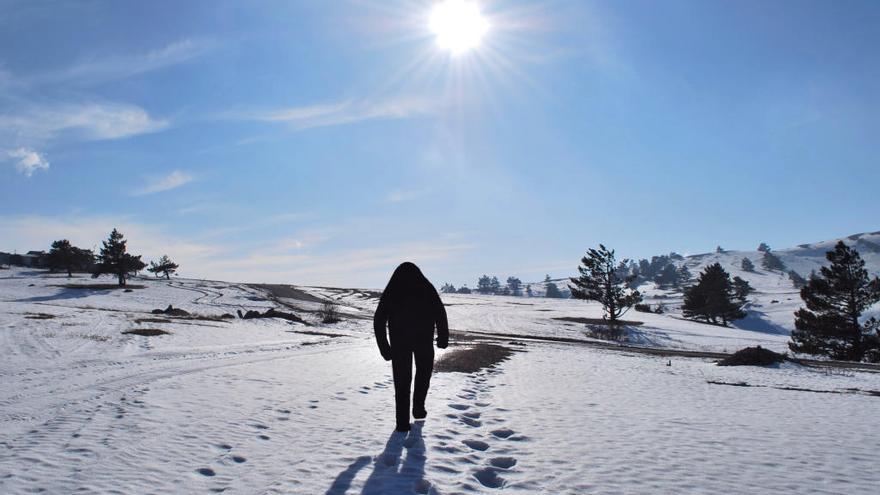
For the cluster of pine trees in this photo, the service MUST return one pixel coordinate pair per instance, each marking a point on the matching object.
(660, 270)
(112, 259)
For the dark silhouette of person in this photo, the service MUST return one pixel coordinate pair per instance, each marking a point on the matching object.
(411, 308)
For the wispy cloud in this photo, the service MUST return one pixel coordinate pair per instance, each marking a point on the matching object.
(171, 181)
(89, 121)
(404, 195)
(27, 161)
(123, 66)
(344, 112)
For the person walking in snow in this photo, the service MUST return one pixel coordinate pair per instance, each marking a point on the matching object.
(411, 308)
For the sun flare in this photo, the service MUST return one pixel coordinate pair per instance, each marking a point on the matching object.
(458, 25)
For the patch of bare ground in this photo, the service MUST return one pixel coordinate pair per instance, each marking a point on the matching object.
(473, 358)
(39, 316)
(146, 332)
(287, 292)
(598, 321)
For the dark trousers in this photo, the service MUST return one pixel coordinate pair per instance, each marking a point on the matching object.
(401, 367)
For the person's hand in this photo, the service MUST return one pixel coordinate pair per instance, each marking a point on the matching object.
(386, 354)
(442, 343)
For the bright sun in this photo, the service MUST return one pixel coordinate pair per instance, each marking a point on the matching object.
(458, 25)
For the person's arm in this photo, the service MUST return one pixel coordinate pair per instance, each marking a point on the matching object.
(442, 324)
(380, 321)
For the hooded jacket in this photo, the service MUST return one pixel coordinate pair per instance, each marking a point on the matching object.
(411, 309)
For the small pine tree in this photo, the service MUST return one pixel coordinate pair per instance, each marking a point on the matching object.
(683, 276)
(712, 298)
(741, 289)
(529, 291)
(514, 285)
(835, 300)
(484, 285)
(464, 289)
(114, 260)
(164, 266)
(495, 286)
(448, 289)
(64, 256)
(771, 262)
(764, 247)
(719, 249)
(747, 265)
(552, 291)
(600, 281)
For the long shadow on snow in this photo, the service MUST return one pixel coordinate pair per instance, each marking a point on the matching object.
(389, 474)
(64, 294)
(755, 322)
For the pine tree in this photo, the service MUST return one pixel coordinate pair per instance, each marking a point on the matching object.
(114, 260)
(529, 291)
(741, 289)
(64, 256)
(495, 286)
(164, 266)
(552, 291)
(484, 285)
(514, 285)
(719, 249)
(600, 281)
(835, 300)
(747, 265)
(464, 289)
(764, 247)
(712, 297)
(683, 276)
(667, 277)
(448, 289)
(771, 262)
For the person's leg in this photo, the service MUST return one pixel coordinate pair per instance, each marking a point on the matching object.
(424, 366)
(401, 368)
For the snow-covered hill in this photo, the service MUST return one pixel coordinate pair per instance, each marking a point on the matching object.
(271, 406)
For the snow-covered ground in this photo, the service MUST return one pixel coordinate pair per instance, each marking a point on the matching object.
(268, 406)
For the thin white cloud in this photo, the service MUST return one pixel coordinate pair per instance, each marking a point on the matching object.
(345, 112)
(27, 161)
(277, 260)
(124, 66)
(89, 121)
(402, 196)
(171, 181)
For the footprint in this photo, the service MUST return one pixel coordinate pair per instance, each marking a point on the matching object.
(502, 433)
(489, 478)
(470, 422)
(260, 427)
(472, 415)
(460, 407)
(239, 459)
(476, 444)
(263, 437)
(206, 471)
(224, 446)
(481, 404)
(503, 462)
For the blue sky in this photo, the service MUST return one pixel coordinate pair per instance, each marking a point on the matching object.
(325, 142)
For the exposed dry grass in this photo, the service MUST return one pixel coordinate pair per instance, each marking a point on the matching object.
(146, 332)
(472, 359)
(39, 316)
